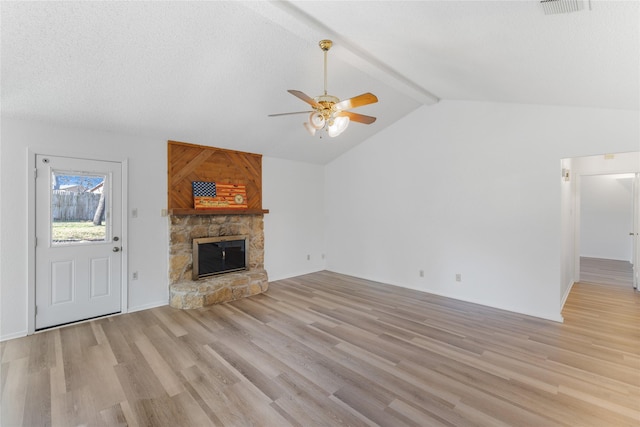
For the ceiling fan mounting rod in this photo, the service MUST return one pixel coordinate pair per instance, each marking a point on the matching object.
(325, 45)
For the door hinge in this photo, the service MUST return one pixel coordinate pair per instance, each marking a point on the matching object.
(35, 174)
(36, 310)
(35, 242)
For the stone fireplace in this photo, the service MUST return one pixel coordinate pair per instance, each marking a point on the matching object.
(187, 293)
(189, 164)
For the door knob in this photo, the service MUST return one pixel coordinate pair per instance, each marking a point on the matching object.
(116, 249)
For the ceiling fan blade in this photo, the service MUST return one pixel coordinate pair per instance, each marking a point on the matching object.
(306, 98)
(288, 114)
(356, 101)
(355, 117)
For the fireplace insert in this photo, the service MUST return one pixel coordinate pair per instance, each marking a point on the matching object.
(217, 255)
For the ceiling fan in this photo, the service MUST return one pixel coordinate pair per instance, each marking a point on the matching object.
(329, 112)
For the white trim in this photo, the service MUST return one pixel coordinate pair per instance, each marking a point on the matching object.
(124, 194)
(148, 306)
(13, 336)
(31, 231)
(566, 295)
(299, 273)
(545, 316)
(578, 213)
(636, 230)
(576, 232)
(31, 241)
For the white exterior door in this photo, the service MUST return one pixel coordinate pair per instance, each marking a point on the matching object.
(78, 255)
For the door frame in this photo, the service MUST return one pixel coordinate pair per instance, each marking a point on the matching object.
(636, 230)
(31, 228)
(578, 215)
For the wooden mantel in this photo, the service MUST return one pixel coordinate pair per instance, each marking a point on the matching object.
(217, 211)
(190, 162)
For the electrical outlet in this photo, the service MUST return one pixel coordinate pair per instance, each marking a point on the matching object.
(322, 256)
(164, 212)
(308, 257)
(458, 277)
(421, 273)
(134, 275)
(134, 213)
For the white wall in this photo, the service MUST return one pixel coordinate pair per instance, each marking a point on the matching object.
(147, 234)
(294, 227)
(459, 187)
(470, 188)
(606, 216)
(293, 192)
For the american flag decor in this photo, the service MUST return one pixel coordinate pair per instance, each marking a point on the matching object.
(211, 195)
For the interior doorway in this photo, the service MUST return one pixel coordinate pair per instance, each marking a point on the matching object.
(607, 229)
(573, 172)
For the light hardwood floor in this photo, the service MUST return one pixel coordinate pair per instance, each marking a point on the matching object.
(331, 350)
(606, 271)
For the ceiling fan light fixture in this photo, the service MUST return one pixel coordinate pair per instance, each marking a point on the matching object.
(338, 126)
(316, 120)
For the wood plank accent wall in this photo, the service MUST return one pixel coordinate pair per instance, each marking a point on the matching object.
(190, 162)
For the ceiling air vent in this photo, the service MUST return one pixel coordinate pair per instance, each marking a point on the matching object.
(552, 7)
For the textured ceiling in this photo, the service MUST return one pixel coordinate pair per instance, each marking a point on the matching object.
(210, 72)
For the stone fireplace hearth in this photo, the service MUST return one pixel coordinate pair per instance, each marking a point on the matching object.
(186, 293)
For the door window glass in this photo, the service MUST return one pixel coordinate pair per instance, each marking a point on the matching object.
(79, 209)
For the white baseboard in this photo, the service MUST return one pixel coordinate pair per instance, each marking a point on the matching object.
(566, 295)
(290, 275)
(13, 336)
(147, 306)
(546, 316)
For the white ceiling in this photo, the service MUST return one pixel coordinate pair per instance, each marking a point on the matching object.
(210, 72)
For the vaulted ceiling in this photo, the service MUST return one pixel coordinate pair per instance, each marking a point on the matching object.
(210, 72)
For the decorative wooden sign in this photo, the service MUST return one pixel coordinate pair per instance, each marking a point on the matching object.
(209, 195)
(189, 163)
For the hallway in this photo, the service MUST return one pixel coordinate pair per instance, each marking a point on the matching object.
(606, 271)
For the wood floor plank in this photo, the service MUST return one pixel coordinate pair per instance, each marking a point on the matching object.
(302, 399)
(606, 271)
(328, 349)
(162, 370)
(196, 384)
(37, 410)
(113, 416)
(422, 417)
(14, 391)
(371, 404)
(246, 367)
(120, 345)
